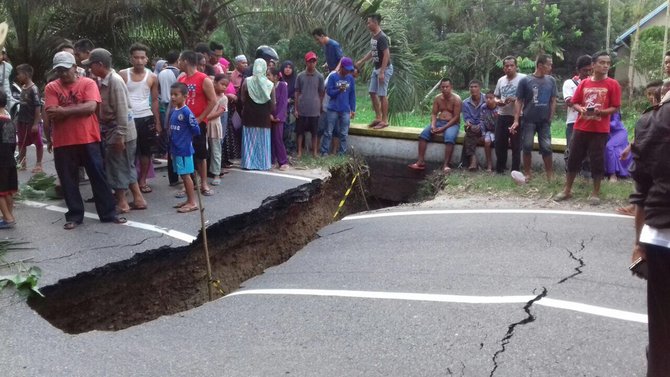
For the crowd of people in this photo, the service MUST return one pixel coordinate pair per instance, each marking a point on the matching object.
(194, 108)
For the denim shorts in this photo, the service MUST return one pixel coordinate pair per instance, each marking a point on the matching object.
(450, 134)
(380, 89)
(543, 130)
(183, 165)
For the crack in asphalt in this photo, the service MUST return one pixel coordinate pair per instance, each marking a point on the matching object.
(534, 228)
(66, 256)
(510, 330)
(580, 260)
(334, 233)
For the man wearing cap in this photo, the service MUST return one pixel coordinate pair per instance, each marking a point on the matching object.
(309, 92)
(71, 103)
(341, 107)
(118, 131)
(380, 54)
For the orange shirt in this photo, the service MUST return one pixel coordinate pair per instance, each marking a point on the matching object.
(73, 130)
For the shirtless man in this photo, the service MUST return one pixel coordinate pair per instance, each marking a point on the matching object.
(445, 118)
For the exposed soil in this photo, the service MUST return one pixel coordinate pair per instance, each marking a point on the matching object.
(171, 280)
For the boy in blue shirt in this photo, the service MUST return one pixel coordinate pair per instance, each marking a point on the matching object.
(340, 88)
(183, 126)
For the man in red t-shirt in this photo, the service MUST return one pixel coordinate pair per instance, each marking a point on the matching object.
(595, 99)
(201, 99)
(71, 103)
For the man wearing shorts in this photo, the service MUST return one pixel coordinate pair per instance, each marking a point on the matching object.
(143, 95)
(536, 95)
(380, 54)
(596, 99)
(444, 118)
(118, 131)
(310, 89)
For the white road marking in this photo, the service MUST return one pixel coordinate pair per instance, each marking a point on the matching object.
(133, 224)
(483, 211)
(552, 303)
(298, 177)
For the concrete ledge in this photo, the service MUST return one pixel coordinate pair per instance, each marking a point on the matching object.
(412, 133)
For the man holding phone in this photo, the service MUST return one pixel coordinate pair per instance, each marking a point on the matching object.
(595, 99)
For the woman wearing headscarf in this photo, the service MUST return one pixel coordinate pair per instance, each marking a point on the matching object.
(288, 75)
(258, 98)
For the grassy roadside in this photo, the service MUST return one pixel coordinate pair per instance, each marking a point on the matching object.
(462, 184)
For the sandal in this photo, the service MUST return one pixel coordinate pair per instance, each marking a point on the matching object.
(37, 169)
(374, 123)
(122, 210)
(145, 189)
(216, 181)
(187, 209)
(135, 207)
(4, 224)
(70, 225)
(380, 125)
(180, 194)
(561, 196)
(417, 166)
(179, 205)
(120, 220)
(207, 192)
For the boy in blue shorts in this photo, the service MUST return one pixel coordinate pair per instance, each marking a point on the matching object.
(183, 126)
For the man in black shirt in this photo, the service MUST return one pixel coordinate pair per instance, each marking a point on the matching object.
(379, 80)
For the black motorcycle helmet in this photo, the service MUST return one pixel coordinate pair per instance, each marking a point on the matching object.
(267, 53)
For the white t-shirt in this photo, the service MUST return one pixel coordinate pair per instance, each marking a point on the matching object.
(653, 236)
(569, 87)
(507, 88)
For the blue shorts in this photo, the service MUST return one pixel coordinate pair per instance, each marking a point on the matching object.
(380, 89)
(183, 165)
(450, 134)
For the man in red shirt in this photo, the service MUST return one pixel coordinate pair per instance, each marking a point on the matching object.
(71, 103)
(201, 99)
(595, 99)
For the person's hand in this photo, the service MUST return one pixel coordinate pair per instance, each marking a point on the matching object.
(433, 129)
(513, 129)
(273, 119)
(159, 128)
(352, 115)
(625, 153)
(50, 147)
(380, 77)
(117, 147)
(56, 113)
(509, 100)
(295, 112)
(35, 128)
(639, 252)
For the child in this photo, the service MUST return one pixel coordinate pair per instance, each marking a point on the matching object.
(29, 117)
(341, 106)
(215, 133)
(9, 182)
(183, 126)
(278, 117)
(489, 119)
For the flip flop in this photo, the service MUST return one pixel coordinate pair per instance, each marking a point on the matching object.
(120, 220)
(374, 123)
(146, 189)
(37, 169)
(180, 195)
(380, 126)
(70, 225)
(207, 192)
(121, 210)
(187, 209)
(7, 224)
(416, 166)
(135, 207)
(179, 205)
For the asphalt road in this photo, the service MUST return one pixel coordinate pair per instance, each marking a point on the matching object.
(410, 294)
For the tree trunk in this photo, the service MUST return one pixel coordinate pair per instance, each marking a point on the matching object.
(633, 52)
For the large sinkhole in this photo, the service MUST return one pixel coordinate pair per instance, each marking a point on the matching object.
(170, 280)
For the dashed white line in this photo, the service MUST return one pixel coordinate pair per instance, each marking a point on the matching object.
(133, 224)
(548, 302)
(482, 211)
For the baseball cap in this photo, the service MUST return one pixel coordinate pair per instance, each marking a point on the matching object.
(99, 55)
(347, 63)
(63, 59)
(310, 56)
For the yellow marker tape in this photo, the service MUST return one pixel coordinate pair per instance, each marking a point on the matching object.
(346, 195)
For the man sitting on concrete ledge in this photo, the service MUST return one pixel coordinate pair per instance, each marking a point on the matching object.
(444, 118)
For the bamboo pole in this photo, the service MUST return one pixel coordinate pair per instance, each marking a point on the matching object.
(633, 51)
(609, 26)
(203, 229)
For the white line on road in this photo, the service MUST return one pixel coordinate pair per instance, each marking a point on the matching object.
(298, 177)
(551, 303)
(483, 211)
(133, 224)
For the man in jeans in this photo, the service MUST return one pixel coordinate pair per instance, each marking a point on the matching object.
(536, 95)
(505, 93)
(341, 107)
(71, 103)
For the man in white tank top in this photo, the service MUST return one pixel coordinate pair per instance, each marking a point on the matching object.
(143, 95)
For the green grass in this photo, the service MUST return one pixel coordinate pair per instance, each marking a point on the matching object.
(421, 118)
(463, 184)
